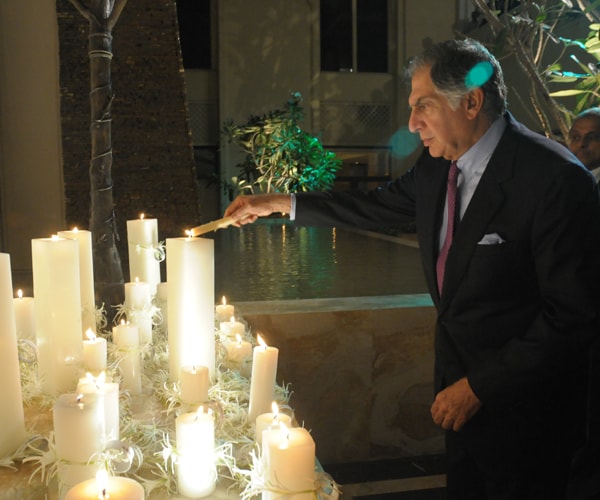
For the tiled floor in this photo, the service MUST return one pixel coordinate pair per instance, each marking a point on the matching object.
(420, 478)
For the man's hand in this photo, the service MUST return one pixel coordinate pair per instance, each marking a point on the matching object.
(455, 405)
(246, 209)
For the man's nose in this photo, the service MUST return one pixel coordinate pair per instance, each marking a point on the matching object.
(413, 123)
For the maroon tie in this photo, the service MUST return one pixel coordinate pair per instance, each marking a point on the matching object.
(451, 199)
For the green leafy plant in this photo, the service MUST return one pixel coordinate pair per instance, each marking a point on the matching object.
(279, 155)
(530, 31)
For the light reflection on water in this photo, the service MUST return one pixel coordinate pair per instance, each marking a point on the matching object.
(271, 260)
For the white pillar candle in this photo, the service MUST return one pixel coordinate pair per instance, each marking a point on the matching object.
(224, 311)
(108, 398)
(142, 240)
(137, 295)
(86, 276)
(24, 316)
(57, 312)
(127, 339)
(270, 421)
(78, 435)
(115, 488)
(191, 312)
(262, 380)
(289, 463)
(196, 469)
(94, 353)
(12, 421)
(162, 297)
(232, 327)
(194, 383)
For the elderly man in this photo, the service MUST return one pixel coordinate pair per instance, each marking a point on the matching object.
(508, 224)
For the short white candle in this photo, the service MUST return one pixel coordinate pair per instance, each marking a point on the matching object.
(86, 276)
(137, 295)
(289, 463)
(238, 350)
(112, 488)
(194, 383)
(78, 427)
(270, 421)
(196, 469)
(94, 352)
(12, 421)
(24, 316)
(142, 240)
(224, 311)
(127, 339)
(232, 327)
(108, 398)
(262, 380)
(57, 312)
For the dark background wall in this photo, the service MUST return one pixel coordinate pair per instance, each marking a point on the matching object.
(153, 167)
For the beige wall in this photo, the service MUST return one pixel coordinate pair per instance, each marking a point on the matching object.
(30, 166)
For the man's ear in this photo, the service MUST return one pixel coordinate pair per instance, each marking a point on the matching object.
(474, 102)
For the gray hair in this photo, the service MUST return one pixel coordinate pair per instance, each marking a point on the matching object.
(457, 66)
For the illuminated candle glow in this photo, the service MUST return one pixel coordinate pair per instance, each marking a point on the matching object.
(142, 239)
(105, 487)
(94, 352)
(224, 311)
(270, 421)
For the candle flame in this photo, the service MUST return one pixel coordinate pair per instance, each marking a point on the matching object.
(223, 301)
(79, 400)
(189, 233)
(193, 369)
(142, 216)
(90, 334)
(20, 293)
(75, 230)
(102, 484)
(55, 237)
(232, 319)
(199, 412)
(275, 409)
(260, 341)
(238, 337)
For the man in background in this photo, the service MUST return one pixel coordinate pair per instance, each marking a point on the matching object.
(584, 140)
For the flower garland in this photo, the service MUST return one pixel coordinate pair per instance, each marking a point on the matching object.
(145, 450)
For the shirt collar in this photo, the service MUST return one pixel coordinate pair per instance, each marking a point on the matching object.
(477, 156)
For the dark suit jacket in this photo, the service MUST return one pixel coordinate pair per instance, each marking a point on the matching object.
(516, 318)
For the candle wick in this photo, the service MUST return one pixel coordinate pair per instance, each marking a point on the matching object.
(104, 494)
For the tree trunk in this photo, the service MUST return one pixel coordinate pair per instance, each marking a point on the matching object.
(108, 274)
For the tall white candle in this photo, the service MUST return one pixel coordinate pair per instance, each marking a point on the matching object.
(24, 316)
(57, 312)
(289, 463)
(138, 303)
(12, 422)
(86, 276)
(94, 353)
(114, 488)
(108, 398)
(127, 339)
(191, 312)
(196, 469)
(142, 239)
(162, 297)
(78, 435)
(262, 380)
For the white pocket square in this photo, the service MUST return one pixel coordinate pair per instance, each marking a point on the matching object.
(491, 239)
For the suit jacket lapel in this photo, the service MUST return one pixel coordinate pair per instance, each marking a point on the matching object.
(486, 201)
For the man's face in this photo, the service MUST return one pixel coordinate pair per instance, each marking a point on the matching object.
(584, 141)
(445, 131)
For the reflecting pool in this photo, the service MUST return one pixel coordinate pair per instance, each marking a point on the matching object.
(275, 260)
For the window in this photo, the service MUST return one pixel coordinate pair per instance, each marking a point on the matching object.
(194, 17)
(354, 35)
